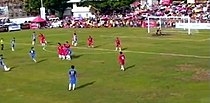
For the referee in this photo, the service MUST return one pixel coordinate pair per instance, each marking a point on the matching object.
(2, 43)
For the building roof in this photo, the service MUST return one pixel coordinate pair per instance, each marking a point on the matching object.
(73, 1)
(84, 9)
(81, 9)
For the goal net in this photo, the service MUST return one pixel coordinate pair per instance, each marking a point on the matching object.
(169, 25)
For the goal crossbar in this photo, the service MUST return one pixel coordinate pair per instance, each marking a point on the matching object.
(168, 17)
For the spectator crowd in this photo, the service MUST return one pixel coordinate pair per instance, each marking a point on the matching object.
(198, 12)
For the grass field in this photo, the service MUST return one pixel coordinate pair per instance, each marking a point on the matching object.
(166, 69)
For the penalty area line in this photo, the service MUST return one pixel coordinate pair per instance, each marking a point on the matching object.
(152, 53)
(155, 38)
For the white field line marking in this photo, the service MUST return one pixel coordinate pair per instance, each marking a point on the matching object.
(153, 53)
(180, 31)
(138, 52)
(155, 38)
(208, 39)
(51, 35)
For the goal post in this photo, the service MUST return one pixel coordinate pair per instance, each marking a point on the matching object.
(160, 21)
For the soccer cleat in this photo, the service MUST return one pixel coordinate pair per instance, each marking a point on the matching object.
(7, 69)
(122, 69)
(120, 49)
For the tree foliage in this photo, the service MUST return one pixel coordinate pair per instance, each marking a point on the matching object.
(104, 6)
(109, 6)
(55, 5)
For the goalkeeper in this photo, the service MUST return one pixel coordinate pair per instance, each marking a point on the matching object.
(158, 32)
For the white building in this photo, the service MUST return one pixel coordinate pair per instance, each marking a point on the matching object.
(84, 12)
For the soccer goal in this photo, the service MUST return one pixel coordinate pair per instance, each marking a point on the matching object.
(169, 24)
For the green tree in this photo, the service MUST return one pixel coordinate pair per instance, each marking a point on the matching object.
(108, 6)
(55, 5)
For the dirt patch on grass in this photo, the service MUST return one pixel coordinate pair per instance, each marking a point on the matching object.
(198, 74)
(201, 75)
(184, 67)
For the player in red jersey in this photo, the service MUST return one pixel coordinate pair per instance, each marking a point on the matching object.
(118, 44)
(67, 50)
(42, 40)
(40, 36)
(121, 59)
(61, 52)
(90, 42)
(67, 45)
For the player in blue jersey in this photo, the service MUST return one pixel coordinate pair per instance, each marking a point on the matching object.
(2, 64)
(12, 42)
(32, 54)
(73, 78)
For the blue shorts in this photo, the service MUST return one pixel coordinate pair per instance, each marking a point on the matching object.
(75, 41)
(73, 81)
(33, 56)
(13, 45)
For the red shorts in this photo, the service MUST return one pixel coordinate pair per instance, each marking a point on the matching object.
(122, 62)
(90, 43)
(118, 45)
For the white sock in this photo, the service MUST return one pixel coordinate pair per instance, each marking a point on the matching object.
(13, 49)
(68, 57)
(74, 85)
(69, 86)
(116, 49)
(62, 57)
(122, 67)
(119, 49)
(34, 60)
(75, 44)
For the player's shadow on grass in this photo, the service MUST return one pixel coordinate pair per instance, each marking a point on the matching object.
(129, 67)
(50, 43)
(86, 84)
(41, 60)
(97, 46)
(76, 56)
(124, 48)
(11, 68)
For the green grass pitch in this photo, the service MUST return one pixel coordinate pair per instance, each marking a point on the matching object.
(165, 69)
